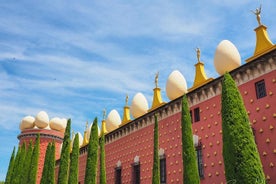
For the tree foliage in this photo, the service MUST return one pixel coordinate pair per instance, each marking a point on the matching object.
(156, 162)
(51, 168)
(65, 155)
(102, 159)
(10, 168)
(16, 162)
(241, 158)
(92, 155)
(19, 167)
(190, 174)
(48, 176)
(27, 163)
(74, 162)
(45, 167)
(34, 162)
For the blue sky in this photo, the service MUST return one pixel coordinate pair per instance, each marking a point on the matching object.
(72, 59)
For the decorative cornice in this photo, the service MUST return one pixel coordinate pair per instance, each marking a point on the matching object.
(163, 111)
(42, 135)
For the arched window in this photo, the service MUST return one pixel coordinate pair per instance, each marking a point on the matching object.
(118, 173)
(136, 170)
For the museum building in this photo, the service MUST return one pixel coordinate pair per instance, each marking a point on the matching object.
(129, 142)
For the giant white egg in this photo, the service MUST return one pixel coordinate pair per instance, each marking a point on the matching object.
(113, 120)
(27, 122)
(57, 124)
(176, 85)
(63, 124)
(42, 119)
(139, 105)
(227, 57)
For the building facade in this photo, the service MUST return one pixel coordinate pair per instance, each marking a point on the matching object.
(129, 146)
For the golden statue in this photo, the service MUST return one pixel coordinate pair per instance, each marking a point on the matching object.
(257, 12)
(126, 100)
(198, 54)
(104, 114)
(156, 79)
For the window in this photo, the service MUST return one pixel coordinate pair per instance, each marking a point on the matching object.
(163, 170)
(199, 161)
(191, 114)
(260, 89)
(136, 173)
(196, 114)
(118, 175)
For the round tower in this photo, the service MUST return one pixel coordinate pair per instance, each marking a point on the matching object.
(49, 131)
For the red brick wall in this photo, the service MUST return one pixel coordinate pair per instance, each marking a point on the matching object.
(262, 117)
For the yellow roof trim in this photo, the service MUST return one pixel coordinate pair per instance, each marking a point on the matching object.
(103, 131)
(260, 54)
(126, 116)
(85, 140)
(157, 99)
(200, 76)
(263, 43)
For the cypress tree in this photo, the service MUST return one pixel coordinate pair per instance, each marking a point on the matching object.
(27, 163)
(92, 155)
(10, 168)
(156, 162)
(45, 171)
(34, 162)
(65, 155)
(48, 174)
(19, 167)
(74, 164)
(16, 163)
(102, 159)
(14, 177)
(241, 158)
(52, 164)
(190, 174)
